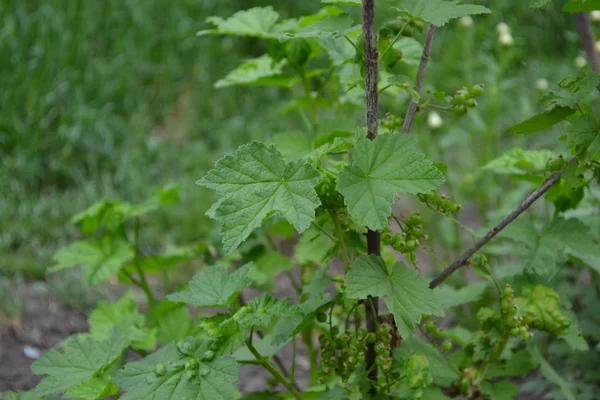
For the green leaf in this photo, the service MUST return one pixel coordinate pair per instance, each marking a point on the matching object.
(30, 395)
(93, 389)
(123, 314)
(381, 168)
(439, 12)
(264, 310)
(575, 6)
(584, 137)
(332, 27)
(112, 214)
(170, 256)
(405, 292)
(456, 297)
(267, 267)
(546, 247)
(213, 287)
(538, 3)
(441, 368)
(173, 321)
(266, 347)
(542, 121)
(411, 49)
(336, 393)
(343, 2)
(83, 357)
(313, 246)
(258, 71)
(519, 364)
(254, 22)
(574, 337)
(502, 390)
(99, 258)
(207, 380)
(552, 376)
(520, 162)
(255, 183)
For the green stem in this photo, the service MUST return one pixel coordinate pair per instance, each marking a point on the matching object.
(143, 282)
(324, 232)
(494, 359)
(340, 235)
(303, 115)
(358, 50)
(293, 370)
(394, 41)
(264, 362)
(307, 93)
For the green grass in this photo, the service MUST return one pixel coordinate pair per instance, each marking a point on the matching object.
(115, 98)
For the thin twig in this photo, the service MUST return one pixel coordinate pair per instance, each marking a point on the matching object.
(586, 32)
(275, 357)
(464, 258)
(371, 120)
(412, 107)
(274, 371)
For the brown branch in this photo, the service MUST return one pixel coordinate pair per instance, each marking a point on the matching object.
(464, 258)
(371, 120)
(412, 107)
(586, 32)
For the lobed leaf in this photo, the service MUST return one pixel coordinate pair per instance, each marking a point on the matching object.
(256, 183)
(207, 380)
(405, 292)
(83, 357)
(439, 12)
(213, 286)
(255, 22)
(99, 258)
(257, 71)
(542, 121)
(123, 314)
(381, 168)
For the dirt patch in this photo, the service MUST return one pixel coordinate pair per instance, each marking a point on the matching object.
(45, 323)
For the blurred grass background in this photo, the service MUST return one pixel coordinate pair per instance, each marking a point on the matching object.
(115, 97)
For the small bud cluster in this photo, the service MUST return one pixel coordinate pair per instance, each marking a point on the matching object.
(555, 164)
(342, 354)
(410, 239)
(214, 332)
(330, 198)
(392, 122)
(440, 203)
(512, 318)
(465, 98)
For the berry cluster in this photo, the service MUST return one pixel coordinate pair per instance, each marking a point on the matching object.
(432, 329)
(465, 98)
(329, 196)
(409, 240)
(383, 348)
(392, 122)
(342, 354)
(511, 316)
(440, 203)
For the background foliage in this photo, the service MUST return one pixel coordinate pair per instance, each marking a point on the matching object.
(113, 99)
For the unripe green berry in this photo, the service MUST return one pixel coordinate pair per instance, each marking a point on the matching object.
(447, 345)
(477, 90)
